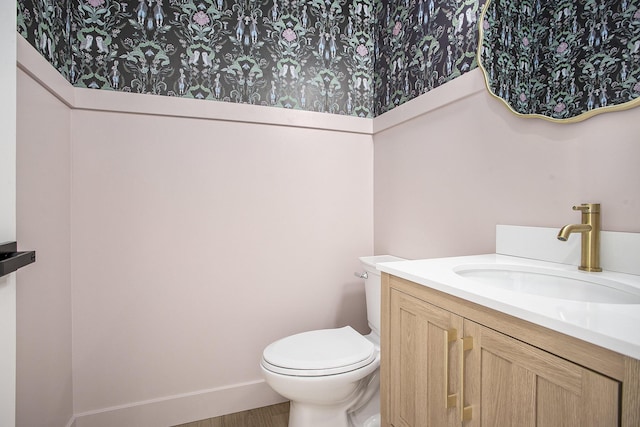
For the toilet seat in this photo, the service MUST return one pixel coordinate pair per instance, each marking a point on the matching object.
(319, 353)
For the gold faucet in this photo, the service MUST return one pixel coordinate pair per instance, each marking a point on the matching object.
(590, 230)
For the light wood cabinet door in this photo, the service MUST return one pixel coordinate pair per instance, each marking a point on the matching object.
(423, 363)
(510, 383)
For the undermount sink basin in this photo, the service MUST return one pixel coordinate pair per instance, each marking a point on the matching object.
(551, 283)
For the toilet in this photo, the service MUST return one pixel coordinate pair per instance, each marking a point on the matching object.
(331, 376)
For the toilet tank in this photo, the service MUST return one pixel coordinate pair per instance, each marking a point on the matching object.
(373, 288)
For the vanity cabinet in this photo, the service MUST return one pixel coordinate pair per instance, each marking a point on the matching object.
(449, 362)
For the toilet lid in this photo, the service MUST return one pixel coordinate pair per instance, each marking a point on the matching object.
(321, 352)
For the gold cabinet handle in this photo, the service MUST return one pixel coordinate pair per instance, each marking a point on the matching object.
(465, 411)
(450, 336)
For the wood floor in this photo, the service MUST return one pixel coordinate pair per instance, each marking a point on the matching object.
(269, 416)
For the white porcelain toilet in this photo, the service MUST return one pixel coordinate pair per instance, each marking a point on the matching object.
(331, 375)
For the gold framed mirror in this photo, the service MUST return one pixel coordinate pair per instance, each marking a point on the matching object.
(563, 60)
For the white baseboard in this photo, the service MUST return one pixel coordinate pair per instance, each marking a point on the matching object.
(180, 409)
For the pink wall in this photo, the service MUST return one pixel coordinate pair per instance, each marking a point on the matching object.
(198, 242)
(198, 239)
(44, 394)
(444, 179)
(199, 233)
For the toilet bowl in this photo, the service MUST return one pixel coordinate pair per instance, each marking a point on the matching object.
(331, 376)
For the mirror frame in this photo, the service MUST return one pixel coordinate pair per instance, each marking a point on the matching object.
(589, 101)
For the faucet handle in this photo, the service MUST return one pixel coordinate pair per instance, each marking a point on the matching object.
(586, 208)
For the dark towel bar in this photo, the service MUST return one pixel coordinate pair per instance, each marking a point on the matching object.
(11, 259)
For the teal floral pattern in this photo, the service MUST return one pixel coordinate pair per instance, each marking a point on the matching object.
(302, 54)
(47, 26)
(562, 59)
(422, 44)
(351, 57)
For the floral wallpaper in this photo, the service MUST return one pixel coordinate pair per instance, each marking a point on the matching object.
(350, 57)
(422, 44)
(562, 58)
(47, 26)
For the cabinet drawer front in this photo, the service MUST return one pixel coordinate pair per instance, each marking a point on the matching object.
(424, 371)
(558, 371)
(515, 384)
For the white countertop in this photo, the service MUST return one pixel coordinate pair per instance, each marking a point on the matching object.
(612, 326)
